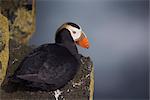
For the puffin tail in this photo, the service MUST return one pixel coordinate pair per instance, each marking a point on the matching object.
(11, 85)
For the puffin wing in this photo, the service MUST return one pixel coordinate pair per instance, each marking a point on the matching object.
(60, 66)
(30, 65)
(62, 74)
(51, 65)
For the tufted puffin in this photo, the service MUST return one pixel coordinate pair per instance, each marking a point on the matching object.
(52, 66)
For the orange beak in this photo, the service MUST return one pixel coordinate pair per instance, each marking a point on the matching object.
(83, 42)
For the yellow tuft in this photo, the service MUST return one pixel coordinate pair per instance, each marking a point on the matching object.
(4, 54)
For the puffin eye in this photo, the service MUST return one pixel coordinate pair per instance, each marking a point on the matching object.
(74, 32)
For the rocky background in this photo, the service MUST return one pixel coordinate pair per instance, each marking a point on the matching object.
(17, 24)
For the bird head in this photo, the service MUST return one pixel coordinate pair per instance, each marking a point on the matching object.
(77, 34)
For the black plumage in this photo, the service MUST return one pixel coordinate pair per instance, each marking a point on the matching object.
(50, 66)
(74, 25)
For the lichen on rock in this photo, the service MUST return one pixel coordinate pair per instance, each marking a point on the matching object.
(21, 16)
(24, 25)
(4, 54)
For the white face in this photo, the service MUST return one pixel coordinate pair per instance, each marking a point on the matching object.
(75, 32)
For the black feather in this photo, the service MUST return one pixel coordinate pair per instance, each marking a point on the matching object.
(73, 24)
(50, 66)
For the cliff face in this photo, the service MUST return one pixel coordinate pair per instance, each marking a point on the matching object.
(4, 45)
(17, 22)
(78, 88)
(21, 17)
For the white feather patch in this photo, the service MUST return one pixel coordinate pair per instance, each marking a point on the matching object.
(75, 32)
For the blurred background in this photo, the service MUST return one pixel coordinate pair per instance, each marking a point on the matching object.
(118, 34)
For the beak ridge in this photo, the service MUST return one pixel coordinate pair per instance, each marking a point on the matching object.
(84, 42)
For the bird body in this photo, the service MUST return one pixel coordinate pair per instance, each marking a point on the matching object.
(50, 66)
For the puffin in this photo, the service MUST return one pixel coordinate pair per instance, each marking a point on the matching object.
(51, 66)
